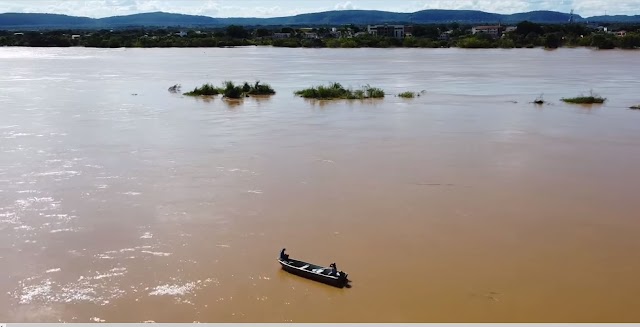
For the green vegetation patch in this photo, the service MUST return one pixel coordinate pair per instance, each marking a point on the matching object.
(407, 95)
(233, 91)
(590, 99)
(337, 91)
(259, 89)
(204, 90)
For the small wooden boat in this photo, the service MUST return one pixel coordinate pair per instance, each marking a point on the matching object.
(330, 275)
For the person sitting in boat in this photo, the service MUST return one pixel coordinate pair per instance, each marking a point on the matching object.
(284, 256)
(334, 269)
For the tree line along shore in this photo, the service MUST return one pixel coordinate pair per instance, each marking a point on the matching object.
(523, 35)
(336, 91)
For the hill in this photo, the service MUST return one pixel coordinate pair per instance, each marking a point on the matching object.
(616, 19)
(543, 16)
(157, 19)
(50, 20)
(341, 17)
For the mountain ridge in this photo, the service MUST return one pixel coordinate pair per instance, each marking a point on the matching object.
(335, 17)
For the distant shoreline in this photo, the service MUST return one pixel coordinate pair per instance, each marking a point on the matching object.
(272, 46)
(522, 35)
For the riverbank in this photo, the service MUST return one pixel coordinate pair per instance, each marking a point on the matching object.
(425, 44)
(525, 35)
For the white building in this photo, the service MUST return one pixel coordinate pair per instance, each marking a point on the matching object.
(281, 35)
(396, 31)
(493, 31)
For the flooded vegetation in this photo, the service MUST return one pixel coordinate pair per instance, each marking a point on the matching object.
(233, 91)
(337, 91)
(589, 99)
(407, 95)
(175, 88)
(206, 89)
(539, 100)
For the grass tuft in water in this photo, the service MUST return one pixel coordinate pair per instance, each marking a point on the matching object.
(260, 89)
(175, 88)
(204, 90)
(592, 98)
(407, 95)
(233, 91)
(337, 91)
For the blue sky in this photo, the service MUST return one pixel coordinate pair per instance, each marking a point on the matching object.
(275, 8)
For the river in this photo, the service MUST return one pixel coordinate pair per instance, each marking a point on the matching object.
(123, 202)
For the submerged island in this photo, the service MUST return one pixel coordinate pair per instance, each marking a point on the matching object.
(232, 91)
(582, 99)
(337, 91)
(407, 95)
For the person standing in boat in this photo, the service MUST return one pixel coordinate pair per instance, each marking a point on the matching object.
(284, 256)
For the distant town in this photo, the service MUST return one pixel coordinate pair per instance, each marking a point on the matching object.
(522, 35)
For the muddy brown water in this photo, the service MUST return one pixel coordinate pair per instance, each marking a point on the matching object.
(122, 202)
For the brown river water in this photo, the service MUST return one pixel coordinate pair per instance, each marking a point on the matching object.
(122, 202)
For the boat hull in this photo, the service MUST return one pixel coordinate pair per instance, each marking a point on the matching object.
(336, 282)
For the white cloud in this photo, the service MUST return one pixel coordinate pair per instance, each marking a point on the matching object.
(599, 7)
(345, 6)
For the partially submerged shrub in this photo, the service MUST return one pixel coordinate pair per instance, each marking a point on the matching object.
(230, 90)
(175, 89)
(637, 107)
(407, 95)
(374, 92)
(539, 100)
(337, 91)
(261, 89)
(246, 87)
(357, 94)
(205, 89)
(590, 99)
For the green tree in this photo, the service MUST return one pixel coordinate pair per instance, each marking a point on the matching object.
(236, 32)
(115, 42)
(630, 41)
(428, 31)
(353, 28)
(262, 32)
(410, 42)
(474, 43)
(602, 41)
(532, 39)
(348, 43)
(506, 43)
(527, 27)
(333, 43)
(552, 41)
